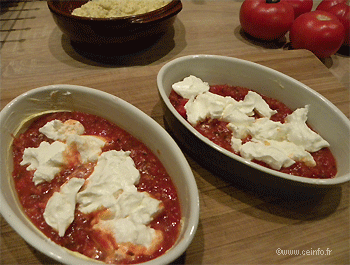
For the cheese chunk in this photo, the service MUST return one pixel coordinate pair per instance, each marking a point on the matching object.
(276, 154)
(115, 172)
(59, 211)
(275, 143)
(133, 211)
(190, 87)
(300, 134)
(254, 100)
(88, 146)
(58, 130)
(46, 160)
(140, 207)
(266, 129)
(127, 211)
(204, 106)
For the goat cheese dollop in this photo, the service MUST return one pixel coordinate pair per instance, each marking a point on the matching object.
(275, 143)
(59, 211)
(110, 187)
(46, 160)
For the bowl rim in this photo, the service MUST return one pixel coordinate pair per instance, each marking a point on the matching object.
(61, 254)
(303, 180)
(174, 6)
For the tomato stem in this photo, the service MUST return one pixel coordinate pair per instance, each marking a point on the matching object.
(321, 17)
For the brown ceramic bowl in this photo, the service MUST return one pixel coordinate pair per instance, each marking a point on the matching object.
(119, 30)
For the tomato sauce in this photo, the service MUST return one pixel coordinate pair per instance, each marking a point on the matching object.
(80, 236)
(217, 131)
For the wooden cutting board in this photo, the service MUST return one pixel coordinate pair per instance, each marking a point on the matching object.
(235, 225)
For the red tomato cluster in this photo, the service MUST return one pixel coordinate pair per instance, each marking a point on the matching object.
(322, 31)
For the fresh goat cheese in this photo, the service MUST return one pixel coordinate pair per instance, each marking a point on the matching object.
(254, 101)
(58, 130)
(95, 181)
(111, 186)
(275, 143)
(114, 173)
(138, 206)
(46, 160)
(88, 146)
(266, 129)
(300, 134)
(294, 131)
(277, 154)
(132, 213)
(59, 211)
(190, 86)
(205, 105)
(125, 230)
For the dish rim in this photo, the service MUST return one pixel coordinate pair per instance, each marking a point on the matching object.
(311, 181)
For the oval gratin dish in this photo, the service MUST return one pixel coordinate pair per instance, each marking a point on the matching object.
(323, 116)
(16, 114)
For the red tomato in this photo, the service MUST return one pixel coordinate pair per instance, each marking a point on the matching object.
(317, 31)
(342, 12)
(264, 20)
(327, 4)
(300, 6)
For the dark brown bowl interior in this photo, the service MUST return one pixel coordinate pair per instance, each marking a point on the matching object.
(112, 30)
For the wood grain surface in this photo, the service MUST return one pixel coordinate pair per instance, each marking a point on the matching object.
(238, 224)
